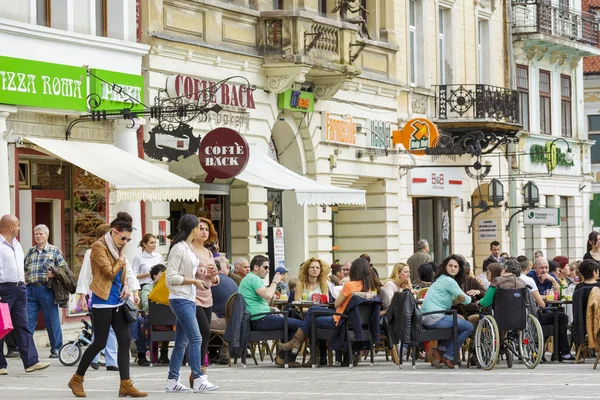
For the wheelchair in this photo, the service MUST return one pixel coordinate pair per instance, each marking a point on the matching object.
(521, 331)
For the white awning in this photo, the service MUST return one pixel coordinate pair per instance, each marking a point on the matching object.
(261, 170)
(130, 178)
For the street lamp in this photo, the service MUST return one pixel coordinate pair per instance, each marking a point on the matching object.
(495, 192)
(569, 154)
(531, 194)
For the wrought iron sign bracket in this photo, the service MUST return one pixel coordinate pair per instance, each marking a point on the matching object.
(361, 46)
(315, 36)
(521, 209)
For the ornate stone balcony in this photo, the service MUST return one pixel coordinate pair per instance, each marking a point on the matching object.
(299, 45)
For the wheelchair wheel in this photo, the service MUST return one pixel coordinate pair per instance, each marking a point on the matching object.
(70, 354)
(487, 342)
(531, 342)
(509, 358)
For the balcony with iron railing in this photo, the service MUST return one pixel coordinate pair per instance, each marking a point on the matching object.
(555, 26)
(464, 107)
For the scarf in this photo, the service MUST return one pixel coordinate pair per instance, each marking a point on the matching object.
(113, 249)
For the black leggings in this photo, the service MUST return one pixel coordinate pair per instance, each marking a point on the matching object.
(102, 319)
(203, 316)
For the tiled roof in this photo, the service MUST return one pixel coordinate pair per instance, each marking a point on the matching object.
(587, 4)
(591, 65)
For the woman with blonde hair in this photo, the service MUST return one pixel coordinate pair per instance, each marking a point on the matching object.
(399, 280)
(312, 277)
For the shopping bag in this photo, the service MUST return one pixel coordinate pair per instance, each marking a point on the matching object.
(5, 320)
(159, 293)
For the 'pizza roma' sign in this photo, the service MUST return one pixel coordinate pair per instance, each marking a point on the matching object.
(223, 154)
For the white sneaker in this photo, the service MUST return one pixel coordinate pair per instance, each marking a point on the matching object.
(202, 385)
(176, 386)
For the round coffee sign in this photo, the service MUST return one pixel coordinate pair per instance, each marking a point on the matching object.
(223, 154)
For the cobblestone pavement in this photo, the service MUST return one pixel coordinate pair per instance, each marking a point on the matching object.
(265, 381)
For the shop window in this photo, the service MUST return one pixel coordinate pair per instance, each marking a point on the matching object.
(565, 106)
(523, 89)
(274, 208)
(101, 19)
(24, 174)
(594, 134)
(433, 222)
(545, 103)
(43, 12)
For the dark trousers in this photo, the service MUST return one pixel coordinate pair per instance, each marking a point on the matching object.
(547, 318)
(275, 322)
(16, 298)
(203, 316)
(11, 342)
(102, 320)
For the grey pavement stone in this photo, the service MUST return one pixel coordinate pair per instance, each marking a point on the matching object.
(267, 381)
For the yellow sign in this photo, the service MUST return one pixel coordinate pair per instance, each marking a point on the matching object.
(339, 130)
(417, 135)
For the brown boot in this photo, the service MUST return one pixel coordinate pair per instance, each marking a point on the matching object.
(295, 344)
(127, 389)
(76, 385)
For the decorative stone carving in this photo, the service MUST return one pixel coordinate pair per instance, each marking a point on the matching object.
(575, 61)
(281, 77)
(536, 52)
(557, 57)
(326, 88)
(419, 105)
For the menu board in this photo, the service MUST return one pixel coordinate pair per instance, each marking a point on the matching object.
(89, 212)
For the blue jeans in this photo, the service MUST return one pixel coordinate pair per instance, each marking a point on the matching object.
(42, 297)
(275, 322)
(186, 331)
(138, 336)
(323, 322)
(464, 331)
(110, 351)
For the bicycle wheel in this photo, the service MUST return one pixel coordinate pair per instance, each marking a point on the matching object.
(487, 342)
(531, 342)
(69, 354)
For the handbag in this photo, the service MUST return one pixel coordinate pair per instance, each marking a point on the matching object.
(160, 293)
(6, 324)
(131, 311)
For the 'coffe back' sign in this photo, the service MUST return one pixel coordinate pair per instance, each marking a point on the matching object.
(223, 154)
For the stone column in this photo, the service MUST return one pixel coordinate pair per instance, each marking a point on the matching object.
(5, 162)
(126, 139)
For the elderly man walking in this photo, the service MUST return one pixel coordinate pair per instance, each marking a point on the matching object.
(422, 256)
(39, 262)
(14, 293)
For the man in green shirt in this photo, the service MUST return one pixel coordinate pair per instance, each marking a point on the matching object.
(257, 297)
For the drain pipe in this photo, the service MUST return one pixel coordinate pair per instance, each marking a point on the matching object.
(511, 148)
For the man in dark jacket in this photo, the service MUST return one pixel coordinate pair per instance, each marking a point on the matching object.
(422, 256)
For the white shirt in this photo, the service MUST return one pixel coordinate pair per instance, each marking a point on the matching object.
(85, 276)
(484, 281)
(12, 261)
(143, 263)
(529, 282)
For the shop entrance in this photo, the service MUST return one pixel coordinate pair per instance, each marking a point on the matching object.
(48, 208)
(432, 222)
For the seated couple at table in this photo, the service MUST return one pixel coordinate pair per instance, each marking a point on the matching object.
(257, 297)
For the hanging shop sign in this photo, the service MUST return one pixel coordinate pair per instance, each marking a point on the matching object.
(338, 130)
(548, 154)
(417, 135)
(129, 89)
(380, 133)
(542, 216)
(297, 100)
(41, 84)
(438, 182)
(171, 144)
(196, 89)
(223, 154)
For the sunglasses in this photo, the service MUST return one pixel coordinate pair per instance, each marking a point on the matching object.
(123, 237)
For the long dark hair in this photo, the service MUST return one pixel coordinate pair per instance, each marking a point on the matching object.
(461, 268)
(360, 270)
(187, 223)
(426, 272)
(593, 238)
(123, 222)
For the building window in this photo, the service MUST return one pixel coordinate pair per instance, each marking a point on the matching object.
(523, 88)
(444, 45)
(43, 12)
(323, 8)
(101, 20)
(483, 51)
(565, 106)
(594, 134)
(545, 103)
(416, 41)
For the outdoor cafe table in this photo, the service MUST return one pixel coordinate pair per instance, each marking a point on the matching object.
(556, 306)
(302, 306)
